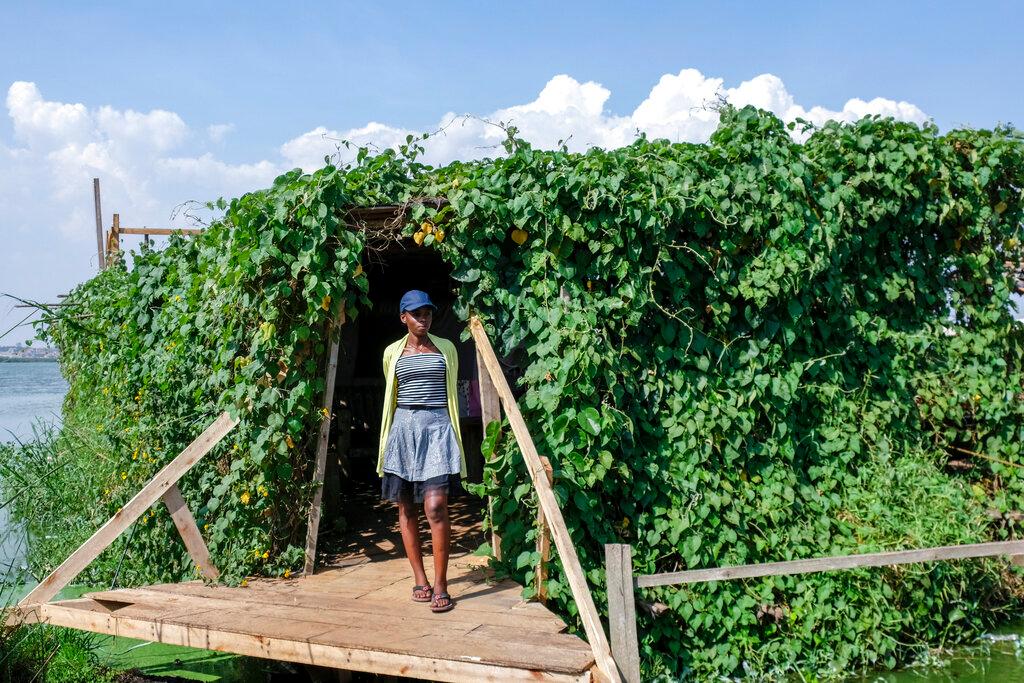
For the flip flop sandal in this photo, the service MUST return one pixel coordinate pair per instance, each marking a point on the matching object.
(443, 608)
(424, 587)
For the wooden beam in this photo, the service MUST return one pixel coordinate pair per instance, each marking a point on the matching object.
(823, 564)
(543, 539)
(309, 649)
(99, 221)
(618, 562)
(490, 411)
(133, 509)
(114, 240)
(559, 532)
(313, 525)
(161, 231)
(189, 530)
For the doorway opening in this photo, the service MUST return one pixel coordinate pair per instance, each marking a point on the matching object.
(355, 520)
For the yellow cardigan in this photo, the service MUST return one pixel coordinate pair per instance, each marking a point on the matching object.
(451, 360)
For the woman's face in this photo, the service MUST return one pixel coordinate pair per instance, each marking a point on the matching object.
(418, 320)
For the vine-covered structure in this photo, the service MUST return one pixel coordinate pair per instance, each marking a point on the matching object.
(748, 350)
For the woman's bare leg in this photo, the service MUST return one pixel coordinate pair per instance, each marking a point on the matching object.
(409, 523)
(435, 505)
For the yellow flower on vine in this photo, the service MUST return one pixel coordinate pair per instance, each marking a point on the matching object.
(288, 440)
(124, 475)
(287, 573)
(244, 497)
(266, 554)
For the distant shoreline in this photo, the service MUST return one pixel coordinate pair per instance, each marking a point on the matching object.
(8, 359)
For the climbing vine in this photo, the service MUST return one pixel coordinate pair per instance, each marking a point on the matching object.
(742, 351)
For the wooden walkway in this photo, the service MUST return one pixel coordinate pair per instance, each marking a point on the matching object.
(358, 618)
(356, 614)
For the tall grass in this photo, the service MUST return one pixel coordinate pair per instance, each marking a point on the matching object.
(45, 523)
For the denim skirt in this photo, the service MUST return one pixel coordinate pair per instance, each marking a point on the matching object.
(421, 455)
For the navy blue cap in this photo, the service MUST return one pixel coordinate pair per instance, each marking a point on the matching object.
(414, 299)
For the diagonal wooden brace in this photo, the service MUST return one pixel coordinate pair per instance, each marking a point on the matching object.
(157, 487)
(186, 525)
(552, 513)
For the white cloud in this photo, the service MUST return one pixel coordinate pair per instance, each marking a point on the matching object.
(151, 162)
(680, 107)
(218, 131)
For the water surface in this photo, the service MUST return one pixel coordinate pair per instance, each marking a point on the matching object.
(29, 392)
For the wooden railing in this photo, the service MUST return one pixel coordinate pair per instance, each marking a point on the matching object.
(163, 486)
(553, 519)
(622, 582)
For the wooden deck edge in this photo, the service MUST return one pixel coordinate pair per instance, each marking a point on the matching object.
(300, 652)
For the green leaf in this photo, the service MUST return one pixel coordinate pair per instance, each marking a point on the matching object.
(589, 420)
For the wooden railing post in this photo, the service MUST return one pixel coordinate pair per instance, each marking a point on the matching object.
(543, 540)
(553, 514)
(313, 523)
(618, 559)
(490, 411)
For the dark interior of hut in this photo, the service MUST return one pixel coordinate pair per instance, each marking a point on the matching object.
(355, 520)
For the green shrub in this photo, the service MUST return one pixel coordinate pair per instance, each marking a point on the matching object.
(744, 351)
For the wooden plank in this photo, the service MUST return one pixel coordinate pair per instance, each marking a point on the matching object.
(388, 631)
(560, 534)
(622, 610)
(302, 652)
(160, 231)
(132, 510)
(490, 410)
(189, 531)
(99, 222)
(543, 539)
(822, 564)
(471, 608)
(313, 524)
(413, 624)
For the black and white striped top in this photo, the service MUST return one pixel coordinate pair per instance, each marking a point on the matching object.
(421, 380)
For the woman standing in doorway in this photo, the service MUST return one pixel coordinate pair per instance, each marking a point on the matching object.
(421, 459)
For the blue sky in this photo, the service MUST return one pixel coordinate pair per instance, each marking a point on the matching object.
(240, 94)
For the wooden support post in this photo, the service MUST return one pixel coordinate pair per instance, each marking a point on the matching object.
(559, 532)
(313, 526)
(114, 241)
(543, 539)
(189, 530)
(133, 509)
(490, 410)
(99, 222)
(618, 560)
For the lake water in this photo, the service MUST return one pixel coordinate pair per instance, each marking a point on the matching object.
(29, 392)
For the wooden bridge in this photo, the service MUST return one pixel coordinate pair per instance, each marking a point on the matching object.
(356, 614)
(357, 617)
